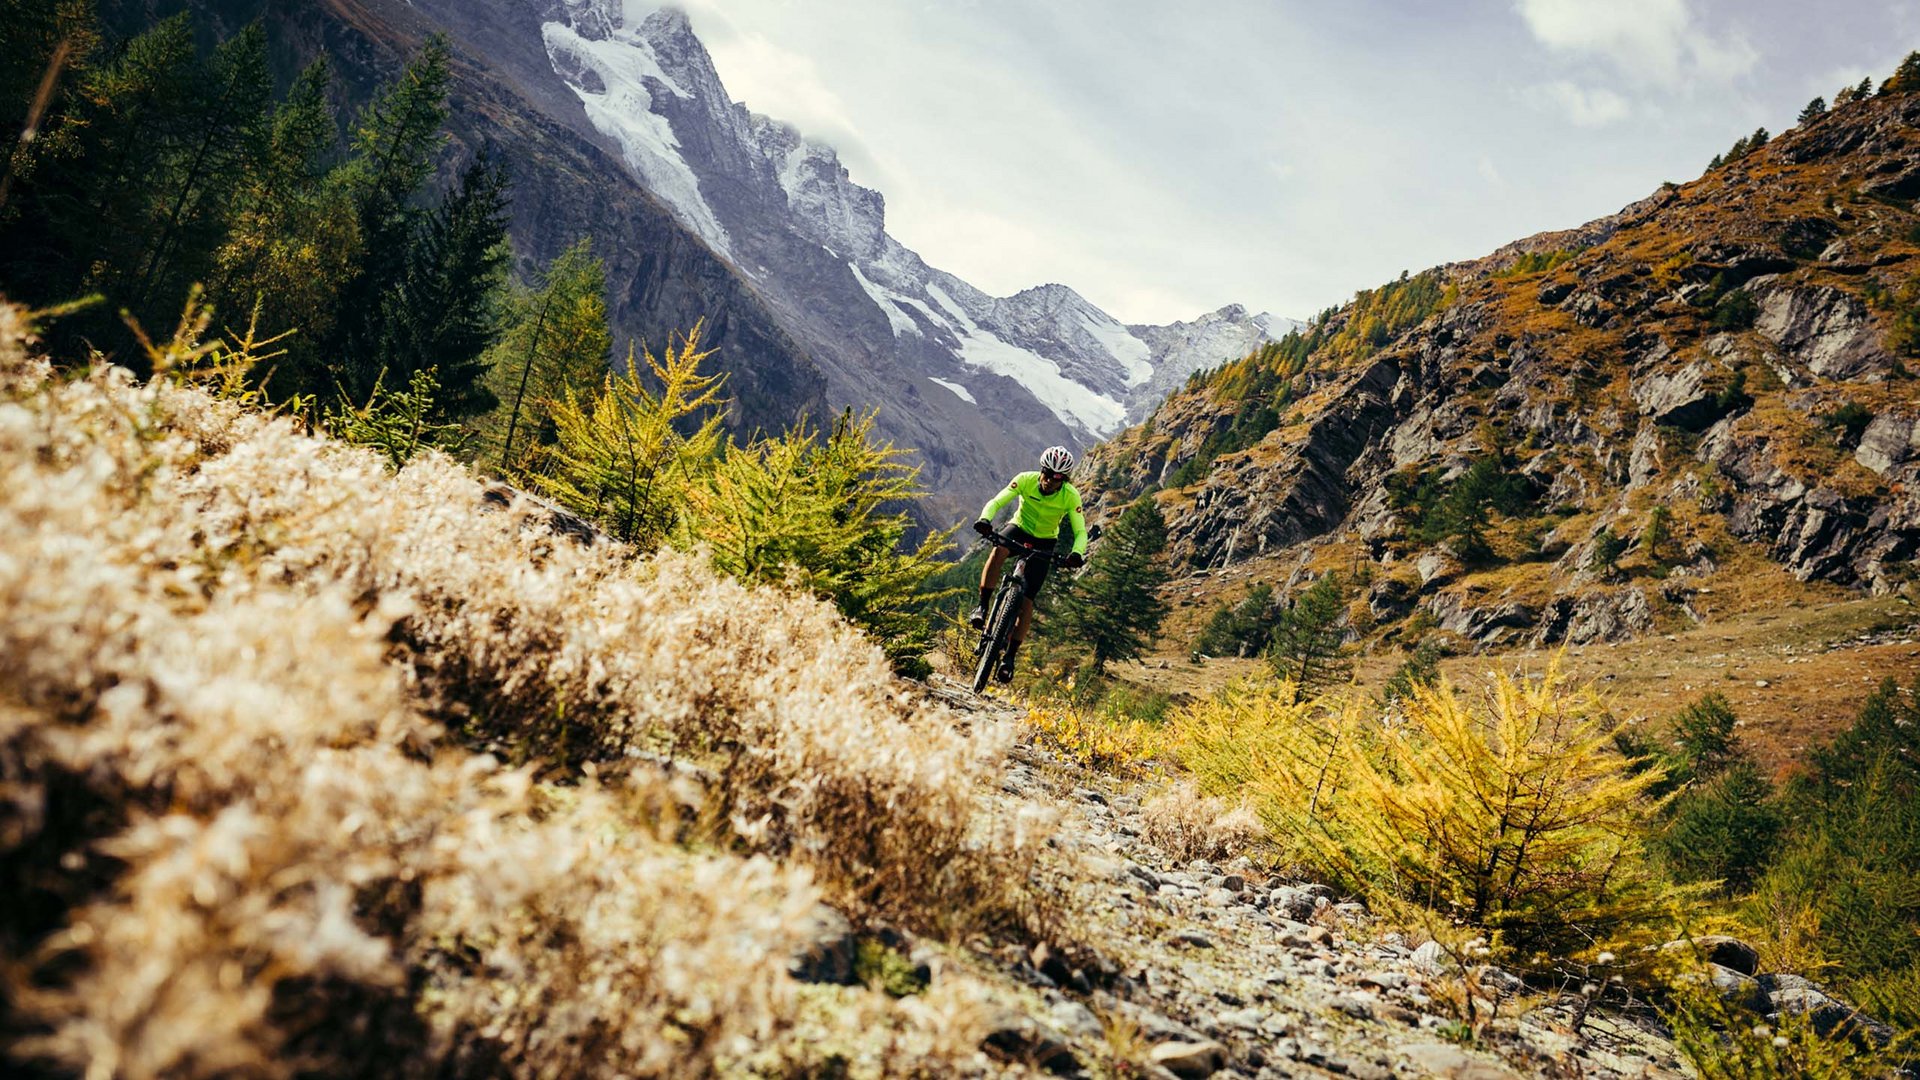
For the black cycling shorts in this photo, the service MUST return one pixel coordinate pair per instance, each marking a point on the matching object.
(1036, 568)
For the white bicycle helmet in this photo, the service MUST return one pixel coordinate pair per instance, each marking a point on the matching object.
(1057, 459)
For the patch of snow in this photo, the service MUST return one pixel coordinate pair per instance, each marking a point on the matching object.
(957, 389)
(889, 303)
(1132, 353)
(1073, 403)
(623, 112)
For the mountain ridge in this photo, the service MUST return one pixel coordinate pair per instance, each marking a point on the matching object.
(1727, 350)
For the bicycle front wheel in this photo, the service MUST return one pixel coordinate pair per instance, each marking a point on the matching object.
(994, 640)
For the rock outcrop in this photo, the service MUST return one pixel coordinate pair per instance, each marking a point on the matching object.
(1738, 351)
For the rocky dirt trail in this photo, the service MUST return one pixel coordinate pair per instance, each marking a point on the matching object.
(1193, 969)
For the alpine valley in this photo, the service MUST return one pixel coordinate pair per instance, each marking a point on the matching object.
(616, 126)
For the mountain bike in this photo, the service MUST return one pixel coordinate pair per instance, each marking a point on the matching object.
(1005, 609)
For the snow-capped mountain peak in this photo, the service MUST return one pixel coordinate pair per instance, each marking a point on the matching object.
(1043, 365)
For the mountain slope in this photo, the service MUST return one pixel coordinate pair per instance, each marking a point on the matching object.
(616, 126)
(1729, 358)
(935, 353)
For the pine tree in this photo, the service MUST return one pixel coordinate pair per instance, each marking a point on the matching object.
(1309, 638)
(1716, 162)
(395, 141)
(555, 339)
(1815, 109)
(823, 514)
(1116, 607)
(81, 215)
(1906, 78)
(39, 37)
(446, 311)
(1238, 629)
(293, 240)
(225, 135)
(1865, 90)
(1655, 534)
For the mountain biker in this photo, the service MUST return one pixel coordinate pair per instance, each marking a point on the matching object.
(1046, 498)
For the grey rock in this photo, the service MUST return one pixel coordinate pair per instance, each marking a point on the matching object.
(1076, 1020)
(1452, 1063)
(1683, 398)
(1890, 440)
(1733, 988)
(1823, 328)
(1018, 1037)
(1249, 1020)
(827, 947)
(1384, 980)
(1729, 952)
(1431, 957)
(1194, 938)
(1437, 566)
(1829, 1015)
(1189, 1059)
(1296, 904)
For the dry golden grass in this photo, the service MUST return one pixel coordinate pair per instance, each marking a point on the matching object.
(243, 842)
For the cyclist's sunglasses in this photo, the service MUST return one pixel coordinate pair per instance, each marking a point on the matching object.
(1049, 474)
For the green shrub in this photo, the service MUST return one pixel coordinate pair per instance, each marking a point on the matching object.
(1419, 671)
(1848, 422)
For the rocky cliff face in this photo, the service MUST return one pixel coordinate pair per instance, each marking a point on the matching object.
(1731, 358)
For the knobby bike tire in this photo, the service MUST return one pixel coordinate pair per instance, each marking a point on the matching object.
(999, 626)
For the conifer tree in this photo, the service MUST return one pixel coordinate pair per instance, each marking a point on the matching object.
(293, 240)
(1906, 78)
(395, 143)
(1238, 629)
(445, 313)
(81, 214)
(823, 514)
(1309, 638)
(224, 135)
(623, 457)
(555, 339)
(1815, 109)
(1116, 608)
(1657, 531)
(1864, 90)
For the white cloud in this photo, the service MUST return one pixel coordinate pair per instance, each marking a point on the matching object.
(787, 86)
(1489, 173)
(1653, 41)
(1589, 107)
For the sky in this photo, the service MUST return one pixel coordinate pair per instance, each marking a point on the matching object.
(1166, 158)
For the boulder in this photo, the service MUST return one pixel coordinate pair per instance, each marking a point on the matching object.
(1826, 330)
(1725, 950)
(1738, 990)
(1389, 599)
(827, 949)
(1890, 440)
(1437, 566)
(1018, 1037)
(1683, 398)
(1189, 1059)
(1828, 1015)
(1601, 615)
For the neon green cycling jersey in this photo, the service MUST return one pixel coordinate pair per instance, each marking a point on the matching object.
(1039, 514)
